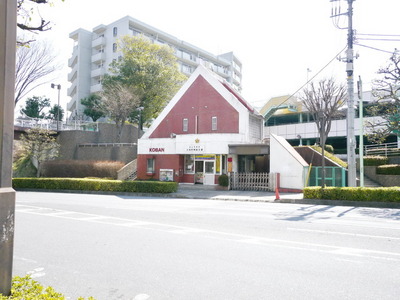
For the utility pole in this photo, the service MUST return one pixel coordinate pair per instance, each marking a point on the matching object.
(351, 138)
(8, 35)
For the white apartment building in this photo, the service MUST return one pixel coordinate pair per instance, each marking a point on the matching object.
(95, 50)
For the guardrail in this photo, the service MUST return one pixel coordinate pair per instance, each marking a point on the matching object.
(387, 149)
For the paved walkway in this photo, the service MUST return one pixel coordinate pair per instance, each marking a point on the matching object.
(209, 192)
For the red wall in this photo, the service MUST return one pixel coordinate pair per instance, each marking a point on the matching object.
(162, 161)
(203, 101)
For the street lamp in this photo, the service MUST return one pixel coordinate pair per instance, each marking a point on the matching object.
(58, 86)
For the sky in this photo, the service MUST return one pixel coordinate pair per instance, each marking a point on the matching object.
(277, 41)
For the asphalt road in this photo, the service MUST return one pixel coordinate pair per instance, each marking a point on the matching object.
(118, 247)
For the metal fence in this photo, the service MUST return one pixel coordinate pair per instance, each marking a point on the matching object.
(334, 176)
(252, 181)
(52, 125)
(388, 149)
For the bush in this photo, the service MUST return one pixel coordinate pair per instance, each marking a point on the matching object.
(83, 184)
(388, 170)
(81, 168)
(223, 180)
(331, 156)
(375, 160)
(384, 194)
(25, 288)
(329, 148)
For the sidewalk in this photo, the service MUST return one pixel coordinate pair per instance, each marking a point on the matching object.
(209, 192)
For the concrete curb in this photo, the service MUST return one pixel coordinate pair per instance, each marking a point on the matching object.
(266, 199)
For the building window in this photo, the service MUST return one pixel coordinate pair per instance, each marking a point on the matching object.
(185, 125)
(115, 31)
(150, 165)
(189, 164)
(214, 123)
(115, 47)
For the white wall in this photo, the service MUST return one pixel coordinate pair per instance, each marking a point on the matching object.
(286, 161)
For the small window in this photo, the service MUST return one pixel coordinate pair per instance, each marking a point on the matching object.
(185, 124)
(189, 164)
(115, 31)
(115, 47)
(150, 165)
(214, 123)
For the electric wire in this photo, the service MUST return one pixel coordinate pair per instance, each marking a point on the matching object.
(323, 68)
(373, 48)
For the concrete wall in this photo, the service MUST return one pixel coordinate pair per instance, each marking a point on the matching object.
(70, 141)
(288, 163)
(383, 180)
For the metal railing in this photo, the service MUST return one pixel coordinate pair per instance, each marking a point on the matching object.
(387, 149)
(251, 181)
(52, 125)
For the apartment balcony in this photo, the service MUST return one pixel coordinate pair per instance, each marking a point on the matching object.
(74, 59)
(223, 72)
(98, 72)
(95, 88)
(101, 56)
(72, 90)
(71, 105)
(100, 42)
(73, 73)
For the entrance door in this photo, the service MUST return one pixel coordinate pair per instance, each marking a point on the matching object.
(199, 169)
(209, 172)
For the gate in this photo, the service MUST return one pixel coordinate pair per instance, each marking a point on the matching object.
(334, 176)
(252, 181)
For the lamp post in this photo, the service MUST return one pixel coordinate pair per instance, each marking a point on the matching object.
(58, 86)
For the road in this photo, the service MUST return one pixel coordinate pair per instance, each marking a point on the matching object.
(119, 247)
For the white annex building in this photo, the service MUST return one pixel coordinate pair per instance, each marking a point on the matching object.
(95, 50)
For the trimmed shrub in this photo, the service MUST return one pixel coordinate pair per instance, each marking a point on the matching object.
(384, 194)
(27, 288)
(95, 185)
(331, 156)
(375, 160)
(329, 148)
(223, 180)
(388, 170)
(81, 168)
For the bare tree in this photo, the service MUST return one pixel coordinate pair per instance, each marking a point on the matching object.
(323, 101)
(25, 10)
(33, 64)
(387, 89)
(117, 102)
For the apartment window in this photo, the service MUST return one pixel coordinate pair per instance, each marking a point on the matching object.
(185, 124)
(150, 165)
(115, 31)
(115, 47)
(214, 123)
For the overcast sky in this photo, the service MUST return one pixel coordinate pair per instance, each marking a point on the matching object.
(277, 41)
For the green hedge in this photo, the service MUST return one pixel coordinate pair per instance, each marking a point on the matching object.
(388, 170)
(84, 184)
(384, 194)
(375, 160)
(25, 288)
(331, 156)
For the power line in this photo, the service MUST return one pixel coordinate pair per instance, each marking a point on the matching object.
(373, 48)
(383, 40)
(323, 68)
(375, 34)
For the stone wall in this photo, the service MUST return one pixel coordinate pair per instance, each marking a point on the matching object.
(384, 180)
(71, 144)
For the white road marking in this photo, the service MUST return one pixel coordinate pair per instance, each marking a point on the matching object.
(345, 233)
(141, 297)
(235, 237)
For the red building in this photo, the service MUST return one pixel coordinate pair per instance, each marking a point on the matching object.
(206, 130)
